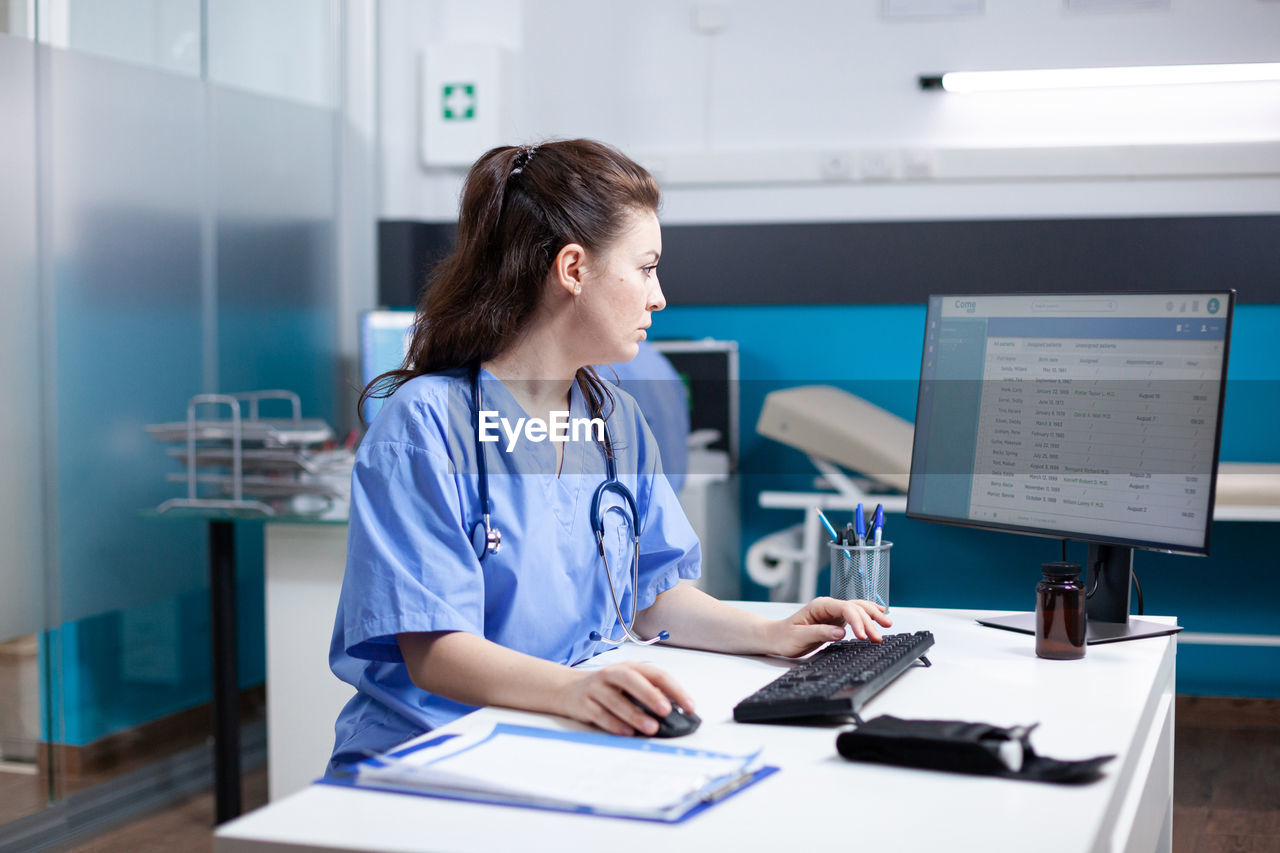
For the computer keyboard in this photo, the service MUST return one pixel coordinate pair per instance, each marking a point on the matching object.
(837, 681)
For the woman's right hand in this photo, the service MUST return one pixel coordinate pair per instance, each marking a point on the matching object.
(599, 697)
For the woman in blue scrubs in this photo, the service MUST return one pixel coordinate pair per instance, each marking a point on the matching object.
(554, 270)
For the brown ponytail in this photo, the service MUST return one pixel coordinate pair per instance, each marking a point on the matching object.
(520, 206)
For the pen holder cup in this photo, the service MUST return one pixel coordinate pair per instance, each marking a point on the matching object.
(861, 571)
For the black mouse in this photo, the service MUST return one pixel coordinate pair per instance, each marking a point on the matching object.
(679, 722)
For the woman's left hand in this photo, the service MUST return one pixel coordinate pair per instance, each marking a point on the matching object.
(822, 621)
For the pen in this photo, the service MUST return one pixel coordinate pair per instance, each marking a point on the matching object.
(877, 531)
(860, 524)
(835, 537)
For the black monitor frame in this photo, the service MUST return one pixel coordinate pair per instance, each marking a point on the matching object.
(1109, 568)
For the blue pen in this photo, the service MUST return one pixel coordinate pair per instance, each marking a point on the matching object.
(877, 530)
(860, 524)
(835, 537)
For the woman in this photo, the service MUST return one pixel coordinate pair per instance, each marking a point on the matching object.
(555, 269)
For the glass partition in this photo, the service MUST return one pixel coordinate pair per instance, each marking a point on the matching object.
(125, 201)
(167, 232)
(22, 493)
(164, 36)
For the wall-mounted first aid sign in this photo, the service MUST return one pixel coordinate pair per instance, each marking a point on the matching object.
(459, 100)
(464, 111)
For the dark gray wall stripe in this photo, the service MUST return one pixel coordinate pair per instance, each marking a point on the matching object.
(904, 262)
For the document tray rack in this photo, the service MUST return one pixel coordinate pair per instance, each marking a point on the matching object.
(836, 682)
(240, 462)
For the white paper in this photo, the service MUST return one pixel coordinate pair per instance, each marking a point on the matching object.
(633, 777)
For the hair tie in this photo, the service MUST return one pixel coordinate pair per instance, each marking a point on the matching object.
(522, 158)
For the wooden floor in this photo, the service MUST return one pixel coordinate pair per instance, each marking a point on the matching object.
(186, 827)
(1226, 788)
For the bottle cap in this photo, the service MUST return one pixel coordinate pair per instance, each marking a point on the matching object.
(1060, 570)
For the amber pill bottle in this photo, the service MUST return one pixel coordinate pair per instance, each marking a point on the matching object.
(1060, 620)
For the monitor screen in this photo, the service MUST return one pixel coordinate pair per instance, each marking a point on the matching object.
(709, 369)
(384, 340)
(1093, 417)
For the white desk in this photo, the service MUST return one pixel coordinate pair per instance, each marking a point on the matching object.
(304, 566)
(1118, 699)
(305, 562)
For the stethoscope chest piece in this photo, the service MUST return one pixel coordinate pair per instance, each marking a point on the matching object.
(485, 538)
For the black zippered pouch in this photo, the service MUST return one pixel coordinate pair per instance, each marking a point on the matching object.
(962, 747)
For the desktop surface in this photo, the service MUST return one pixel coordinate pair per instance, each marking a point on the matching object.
(1118, 699)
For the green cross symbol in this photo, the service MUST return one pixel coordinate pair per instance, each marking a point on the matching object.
(459, 101)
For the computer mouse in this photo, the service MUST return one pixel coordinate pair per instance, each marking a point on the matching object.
(676, 724)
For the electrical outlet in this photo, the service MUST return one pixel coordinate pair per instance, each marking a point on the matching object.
(919, 165)
(835, 166)
(876, 165)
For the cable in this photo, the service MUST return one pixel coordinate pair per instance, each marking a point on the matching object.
(1134, 576)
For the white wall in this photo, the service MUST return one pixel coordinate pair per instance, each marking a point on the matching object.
(783, 84)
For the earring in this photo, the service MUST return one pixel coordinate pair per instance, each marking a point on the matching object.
(577, 290)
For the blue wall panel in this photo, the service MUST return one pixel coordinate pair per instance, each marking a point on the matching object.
(874, 351)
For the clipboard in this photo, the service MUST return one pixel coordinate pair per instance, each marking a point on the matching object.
(577, 772)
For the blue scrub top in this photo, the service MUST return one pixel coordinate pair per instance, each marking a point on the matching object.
(411, 565)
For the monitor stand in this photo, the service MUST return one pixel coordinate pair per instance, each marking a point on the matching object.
(1107, 610)
(1095, 632)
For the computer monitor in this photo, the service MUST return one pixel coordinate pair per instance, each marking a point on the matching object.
(1080, 416)
(709, 369)
(384, 340)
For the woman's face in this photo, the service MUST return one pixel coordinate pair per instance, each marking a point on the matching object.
(620, 292)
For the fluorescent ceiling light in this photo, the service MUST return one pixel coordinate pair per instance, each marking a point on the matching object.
(1089, 78)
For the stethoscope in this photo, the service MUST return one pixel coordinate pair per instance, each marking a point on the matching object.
(487, 539)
